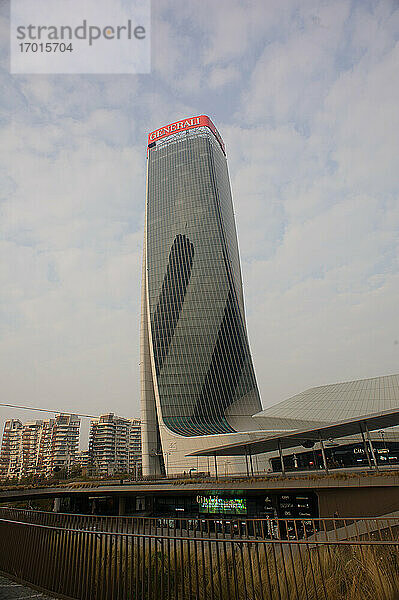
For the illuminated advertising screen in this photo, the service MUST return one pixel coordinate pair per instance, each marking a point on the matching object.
(216, 504)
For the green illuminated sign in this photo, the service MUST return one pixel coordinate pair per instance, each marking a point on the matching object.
(216, 504)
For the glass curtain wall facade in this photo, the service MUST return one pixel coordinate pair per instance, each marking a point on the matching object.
(199, 373)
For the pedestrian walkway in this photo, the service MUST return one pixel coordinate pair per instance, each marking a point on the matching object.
(10, 590)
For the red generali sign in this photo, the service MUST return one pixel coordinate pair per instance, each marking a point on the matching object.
(183, 125)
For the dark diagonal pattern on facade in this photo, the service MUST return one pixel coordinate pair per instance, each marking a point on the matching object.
(171, 299)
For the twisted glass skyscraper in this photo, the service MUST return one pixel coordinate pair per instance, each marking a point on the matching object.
(197, 376)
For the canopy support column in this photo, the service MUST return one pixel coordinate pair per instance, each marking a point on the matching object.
(323, 453)
(216, 465)
(246, 460)
(366, 450)
(280, 451)
(250, 463)
(371, 447)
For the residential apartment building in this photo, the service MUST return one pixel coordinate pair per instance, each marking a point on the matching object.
(11, 447)
(38, 447)
(44, 450)
(114, 445)
(64, 442)
(30, 441)
(81, 460)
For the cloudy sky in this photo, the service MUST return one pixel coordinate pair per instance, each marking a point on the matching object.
(306, 96)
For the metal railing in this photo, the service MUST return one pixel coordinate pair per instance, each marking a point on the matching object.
(138, 558)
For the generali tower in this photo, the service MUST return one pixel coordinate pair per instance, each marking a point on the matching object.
(198, 386)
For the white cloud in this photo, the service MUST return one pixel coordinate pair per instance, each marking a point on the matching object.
(361, 117)
(293, 75)
(221, 76)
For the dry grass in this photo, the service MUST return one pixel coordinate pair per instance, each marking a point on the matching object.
(335, 573)
(267, 572)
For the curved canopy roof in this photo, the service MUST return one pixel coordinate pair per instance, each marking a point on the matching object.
(332, 403)
(269, 443)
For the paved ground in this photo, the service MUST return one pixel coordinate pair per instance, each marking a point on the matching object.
(9, 590)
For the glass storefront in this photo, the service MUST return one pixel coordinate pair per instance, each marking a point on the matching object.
(339, 456)
(296, 505)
